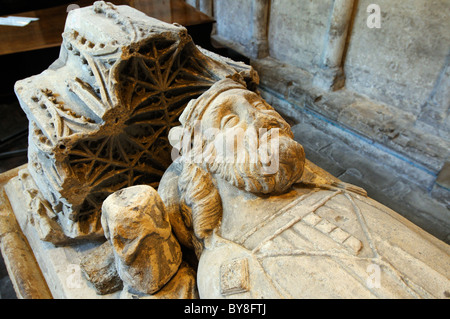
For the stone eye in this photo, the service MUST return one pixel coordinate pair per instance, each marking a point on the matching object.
(229, 120)
(261, 106)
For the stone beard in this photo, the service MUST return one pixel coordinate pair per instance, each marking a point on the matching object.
(232, 133)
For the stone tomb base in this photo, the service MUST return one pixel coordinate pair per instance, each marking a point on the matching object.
(54, 272)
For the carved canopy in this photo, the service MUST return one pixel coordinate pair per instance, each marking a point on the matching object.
(100, 115)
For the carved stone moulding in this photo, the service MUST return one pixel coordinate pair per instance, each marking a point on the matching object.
(99, 116)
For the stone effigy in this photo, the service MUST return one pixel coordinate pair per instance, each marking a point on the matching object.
(239, 211)
(296, 233)
(100, 115)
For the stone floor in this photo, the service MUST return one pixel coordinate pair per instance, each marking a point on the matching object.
(322, 148)
(6, 287)
(13, 122)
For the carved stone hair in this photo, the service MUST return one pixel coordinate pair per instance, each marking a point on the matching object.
(196, 107)
(201, 206)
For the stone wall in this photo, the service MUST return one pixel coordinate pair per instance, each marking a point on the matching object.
(396, 76)
(405, 62)
(309, 25)
(388, 86)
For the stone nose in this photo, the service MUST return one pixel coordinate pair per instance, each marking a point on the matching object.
(268, 121)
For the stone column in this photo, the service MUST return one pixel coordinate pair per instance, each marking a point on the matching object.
(330, 75)
(435, 110)
(206, 6)
(260, 15)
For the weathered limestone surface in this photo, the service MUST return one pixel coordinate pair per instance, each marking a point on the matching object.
(237, 32)
(181, 286)
(264, 223)
(20, 262)
(394, 66)
(297, 30)
(296, 233)
(100, 115)
(409, 200)
(353, 159)
(367, 128)
(136, 224)
(142, 258)
(406, 66)
(60, 266)
(392, 82)
(299, 232)
(82, 270)
(100, 270)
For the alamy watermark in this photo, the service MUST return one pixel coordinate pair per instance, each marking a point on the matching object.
(74, 277)
(374, 18)
(374, 278)
(233, 145)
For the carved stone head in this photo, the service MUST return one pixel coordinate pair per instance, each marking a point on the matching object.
(230, 134)
(233, 133)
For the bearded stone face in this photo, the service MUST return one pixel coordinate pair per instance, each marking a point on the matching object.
(245, 141)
